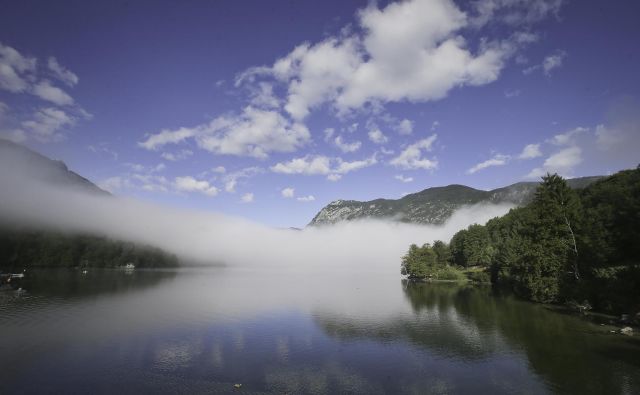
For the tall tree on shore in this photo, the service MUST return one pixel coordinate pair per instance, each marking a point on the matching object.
(558, 207)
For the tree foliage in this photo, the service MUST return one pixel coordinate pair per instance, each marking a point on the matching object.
(28, 248)
(565, 245)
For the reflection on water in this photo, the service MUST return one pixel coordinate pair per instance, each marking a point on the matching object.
(195, 331)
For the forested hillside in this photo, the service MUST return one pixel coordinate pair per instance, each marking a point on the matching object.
(29, 249)
(566, 246)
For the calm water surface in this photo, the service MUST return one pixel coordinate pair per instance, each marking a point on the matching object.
(277, 331)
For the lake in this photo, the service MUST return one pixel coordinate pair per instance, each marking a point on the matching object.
(294, 332)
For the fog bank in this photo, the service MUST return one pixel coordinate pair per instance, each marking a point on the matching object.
(207, 237)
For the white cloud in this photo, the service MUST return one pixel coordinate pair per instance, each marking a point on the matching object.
(513, 12)
(405, 127)
(402, 178)
(53, 94)
(155, 141)
(114, 184)
(346, 167)
(308, 165)
(263, 96)
(531, 69)
(47, 123)
(549, 63)
(139, 168)
(567, 138)
(412, 156)
(14, 69)
(247, 198)
(309, 198)
(219, 170)
(562, 162)
(328, 133)
(347, 147)
(497, 160)
(16, 135)
(254, 133)
(413, 50)
(180, 155)
(435, 125)
(608, 138)
(553, 61)
(287, 192)
(316, 73)
(322, 165)
(60, 72)
(352, 128)
(190, 184)
(530, 151)
(509, 94)
(377, 136)
(231, 179)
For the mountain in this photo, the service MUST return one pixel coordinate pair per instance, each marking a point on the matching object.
(15, 157)
(432, 205)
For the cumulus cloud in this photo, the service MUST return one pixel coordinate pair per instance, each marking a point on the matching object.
(190, 184)
(497, 160)
(553, 61)
(14, 69)
(177, 156)
(287, 192)
(530, 151)
(254, 133)
(309, 198)
(53, 94)
(376, 136)
(513, 12)
(247, 198)
(549, 63)
(568, 137)
(61, 73)
(402, 178)
(413, 50)
(47, 124)
(412, 157)
(115, 184)
(405, 127)
(328, 133)
(322, 165)
(231, 179)
(263, 96)
(347, 147)
(561, 162)
(219, 170)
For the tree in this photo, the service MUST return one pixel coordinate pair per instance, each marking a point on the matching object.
(559, 209)
(418, 261)
(443, 253)
(477, 246)
(457, 248)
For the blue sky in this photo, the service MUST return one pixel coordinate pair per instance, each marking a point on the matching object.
(270, 110)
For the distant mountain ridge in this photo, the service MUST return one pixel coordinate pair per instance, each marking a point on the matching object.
(16, 157)
(432, 205)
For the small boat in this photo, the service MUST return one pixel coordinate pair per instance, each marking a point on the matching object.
(129, 266)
